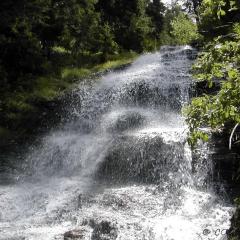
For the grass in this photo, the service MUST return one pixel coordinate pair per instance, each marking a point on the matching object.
(71, 74)
(74, 74)
(48, 88)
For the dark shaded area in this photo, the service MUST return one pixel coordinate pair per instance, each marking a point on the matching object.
(40, 38)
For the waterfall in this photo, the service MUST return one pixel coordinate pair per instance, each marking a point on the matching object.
(120, 166)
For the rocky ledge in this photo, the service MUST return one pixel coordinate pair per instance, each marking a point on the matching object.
(94, 230)
(226, 166)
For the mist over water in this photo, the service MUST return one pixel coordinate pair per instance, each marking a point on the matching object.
(121, 158)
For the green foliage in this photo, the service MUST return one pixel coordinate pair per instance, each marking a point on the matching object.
(217, 16)
(184, 30)
(74, 73)
(132, 22)
(178, 28)
(155, 11)
(165, 35)
(220, 62)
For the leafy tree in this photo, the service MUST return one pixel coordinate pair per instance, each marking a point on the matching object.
(184, 30)
(219, 63)
(192, 6)
(129, 21)
(178, 27)
(155, 10)
(165, 35)
(18, 40)
(106, 40)
(81, 25)
(217, 17)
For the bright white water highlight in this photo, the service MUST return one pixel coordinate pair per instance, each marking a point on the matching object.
(121, 160)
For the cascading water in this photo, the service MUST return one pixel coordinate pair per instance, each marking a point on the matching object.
(120, 168)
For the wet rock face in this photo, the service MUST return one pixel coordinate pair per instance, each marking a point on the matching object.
(75, 234)
(94, 230)
(104, 230)
(144, 94)
(234, 231)
(129, 120)
(141, 160)
(226, 164)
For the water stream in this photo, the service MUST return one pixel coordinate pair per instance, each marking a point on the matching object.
(120, 167)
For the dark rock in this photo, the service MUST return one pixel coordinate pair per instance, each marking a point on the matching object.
(94, 230)
(226, 169)
(129, 120)
(75, 234)
(104, 230)
(234, 232)
(226, 163)
(140, 159)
